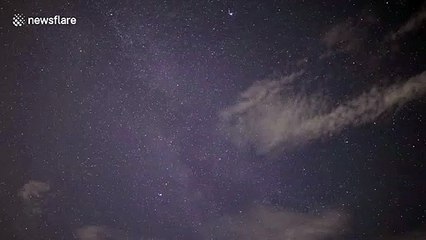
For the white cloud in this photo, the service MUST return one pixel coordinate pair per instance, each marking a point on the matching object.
(417, 234)
(264, 222)
(343, 36)
(92, 232)
(270, 114)
(100, 232)
(33, 189)
(412, 24)
(348, 36)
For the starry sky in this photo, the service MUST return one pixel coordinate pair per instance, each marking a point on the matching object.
(292, 120)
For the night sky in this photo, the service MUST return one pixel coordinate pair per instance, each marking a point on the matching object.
(262, 120)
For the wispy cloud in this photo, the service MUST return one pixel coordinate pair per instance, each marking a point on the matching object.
(32, 196)
(347, 36)
(33, 189)
(412, 24)
(99, 232)
(102, 232)
(270, 114)
(417, 234)
(92, 232)
(264, 222)
(343, 36)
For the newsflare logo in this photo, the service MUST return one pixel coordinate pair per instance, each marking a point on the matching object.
(19, 20)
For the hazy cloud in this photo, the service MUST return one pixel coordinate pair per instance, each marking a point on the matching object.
(91, 233)
(342, 36)
(31, 194)
(347, 36)
(33, 189)
(412, 24)
(418, 234)
(100, 232)
(271, 114)
(264, 222)
(95, 232)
